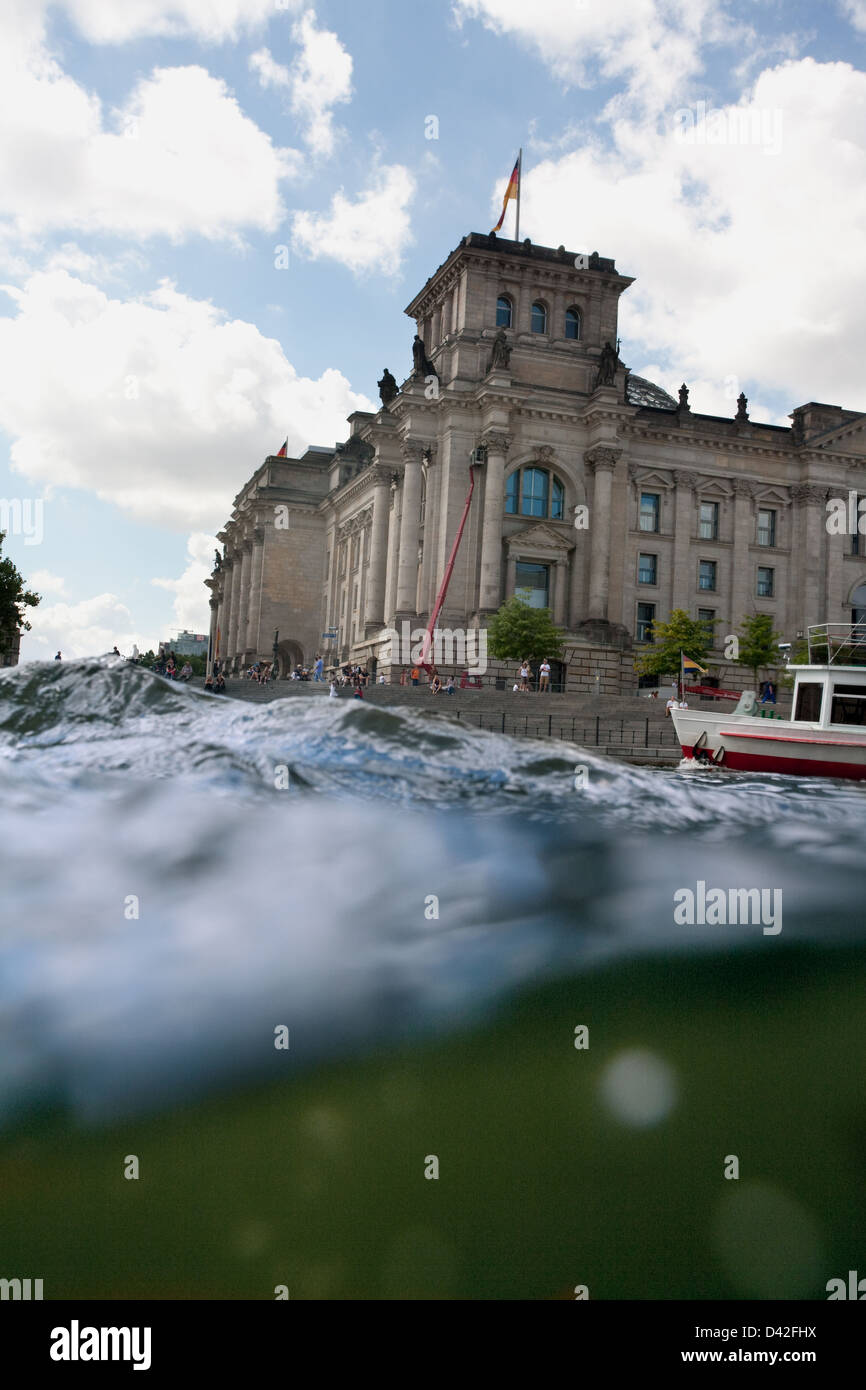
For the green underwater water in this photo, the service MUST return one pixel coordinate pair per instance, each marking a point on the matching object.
(317, 1183)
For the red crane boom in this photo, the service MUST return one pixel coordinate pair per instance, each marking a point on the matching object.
(443, 587)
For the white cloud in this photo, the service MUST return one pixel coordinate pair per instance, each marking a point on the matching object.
(270, 73)
(159, 404)
(654, 46)
(750, 263)
(89, 628)
(855, 10)
(321, 78)
(191, 606)
(213, 20)
(180, 158)
(44, 582)
(369, 234)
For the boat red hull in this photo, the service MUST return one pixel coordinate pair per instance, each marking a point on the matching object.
(797, 767)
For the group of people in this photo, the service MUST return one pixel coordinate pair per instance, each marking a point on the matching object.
(523, 684)
(260, 672)
(167, 666)
(309, 673)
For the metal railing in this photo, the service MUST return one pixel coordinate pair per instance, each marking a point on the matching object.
(837, 644)
(590, 733)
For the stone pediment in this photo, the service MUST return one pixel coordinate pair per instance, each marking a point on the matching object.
(849, 437)
(540, 540)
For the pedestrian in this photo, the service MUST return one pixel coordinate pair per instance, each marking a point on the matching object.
(333, 693)
(671, 704)
(449, 688)
(318, 668)
(524, 677)
(415, 675)
(544, 676)
(58, 657)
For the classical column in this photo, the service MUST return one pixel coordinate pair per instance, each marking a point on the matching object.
(490, 592)
(560, 570)
(743, 577)
(374, 607)
(810, 499)
(214, 613)
(685, 578)
(601, 461)
(510, 575)
(407, 563)
(244, 599)
(257, 559)
(232, 641)
(224, 616)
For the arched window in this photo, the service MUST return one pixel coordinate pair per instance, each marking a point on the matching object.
(503, 311)
(539, 317)
(572, 323)
(534, 492)
(858, 604)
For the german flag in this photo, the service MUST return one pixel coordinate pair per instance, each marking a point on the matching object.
(691, 666)
(283, 450)
(512, 191)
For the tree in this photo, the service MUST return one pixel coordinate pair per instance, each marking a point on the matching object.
(759, 644)
(518, 631)
(14, 601)
(691, 636)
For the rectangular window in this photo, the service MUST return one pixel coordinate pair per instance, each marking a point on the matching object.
(849, 704)
(646, 613)
(647, 569)
(766, 528)
(511, 494)
(857, 539)
(707, 574)
(808, 706)
(649, 511)
(765, 582)
(532, 584)
(708, 526)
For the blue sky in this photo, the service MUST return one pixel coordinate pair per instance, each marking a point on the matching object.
(155, 156)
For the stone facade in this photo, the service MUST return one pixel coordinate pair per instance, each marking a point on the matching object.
(596, 493)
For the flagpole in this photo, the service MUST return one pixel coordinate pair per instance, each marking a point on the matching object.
(519, 182)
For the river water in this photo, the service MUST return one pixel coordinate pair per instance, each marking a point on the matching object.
(474, 954)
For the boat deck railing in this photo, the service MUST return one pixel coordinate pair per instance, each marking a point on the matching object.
(837, 644)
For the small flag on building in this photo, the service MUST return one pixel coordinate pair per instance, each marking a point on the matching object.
(512, 191)
(283, 451)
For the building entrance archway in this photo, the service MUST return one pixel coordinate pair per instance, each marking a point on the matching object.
(289, 655)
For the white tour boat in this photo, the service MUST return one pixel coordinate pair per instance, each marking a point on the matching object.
(826, 734)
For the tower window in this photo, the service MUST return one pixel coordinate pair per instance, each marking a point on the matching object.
(503, 311)
(539, 318)
(572, 323)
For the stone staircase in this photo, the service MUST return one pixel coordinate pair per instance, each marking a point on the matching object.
(633, 728)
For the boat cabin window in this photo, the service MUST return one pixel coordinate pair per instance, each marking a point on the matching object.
(809, 701)
(849, 704)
